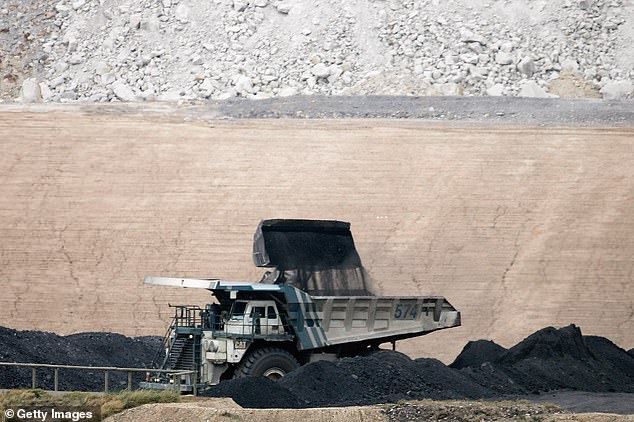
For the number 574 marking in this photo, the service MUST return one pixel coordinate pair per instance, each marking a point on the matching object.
(405, 311)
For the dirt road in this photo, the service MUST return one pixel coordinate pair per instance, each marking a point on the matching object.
(518, 226)
(456, 411)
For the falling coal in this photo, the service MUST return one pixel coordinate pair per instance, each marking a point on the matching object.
(317, 256)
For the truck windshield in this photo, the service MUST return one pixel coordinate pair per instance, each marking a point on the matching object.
(237, 309)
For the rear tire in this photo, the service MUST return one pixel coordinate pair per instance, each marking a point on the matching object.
(270, 362)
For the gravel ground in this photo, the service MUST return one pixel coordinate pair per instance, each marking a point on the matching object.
(457, 411)
(487, 110)
(584, 402)
(470, 411)
(470, 109)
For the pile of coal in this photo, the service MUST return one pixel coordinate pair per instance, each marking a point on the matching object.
(383, 377)
(475, 353)
(552, 359)
(547, 360)
(256, 392)
(85, 349)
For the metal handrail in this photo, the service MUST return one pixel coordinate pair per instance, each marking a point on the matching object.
(175, 372)
(164, 345)
(186, 315)
(181, 313)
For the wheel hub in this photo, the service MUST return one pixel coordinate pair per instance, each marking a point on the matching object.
(274, 373)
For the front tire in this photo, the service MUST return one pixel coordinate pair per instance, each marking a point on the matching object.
(270, 362)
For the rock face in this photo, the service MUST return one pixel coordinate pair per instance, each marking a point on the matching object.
(167, 49)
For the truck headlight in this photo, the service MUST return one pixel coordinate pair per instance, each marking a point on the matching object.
(211, 346)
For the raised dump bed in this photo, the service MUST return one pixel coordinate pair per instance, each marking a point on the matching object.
(347, 319)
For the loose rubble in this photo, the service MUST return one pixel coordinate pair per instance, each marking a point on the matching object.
(615, 90)
(31, 92)
(106, 50)
(470, 411)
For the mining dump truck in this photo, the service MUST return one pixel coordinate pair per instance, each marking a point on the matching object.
(315, 304)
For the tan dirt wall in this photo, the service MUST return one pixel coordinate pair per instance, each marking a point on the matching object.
(519, 227)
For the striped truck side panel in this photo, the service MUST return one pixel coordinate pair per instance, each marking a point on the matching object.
(302, 314)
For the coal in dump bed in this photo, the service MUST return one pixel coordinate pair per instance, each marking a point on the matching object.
(304, 244)
(318, 256)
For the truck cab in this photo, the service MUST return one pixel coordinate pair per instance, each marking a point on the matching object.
(253, 318)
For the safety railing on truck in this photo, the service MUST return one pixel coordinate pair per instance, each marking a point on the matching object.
(176, 374)
(184, 316)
